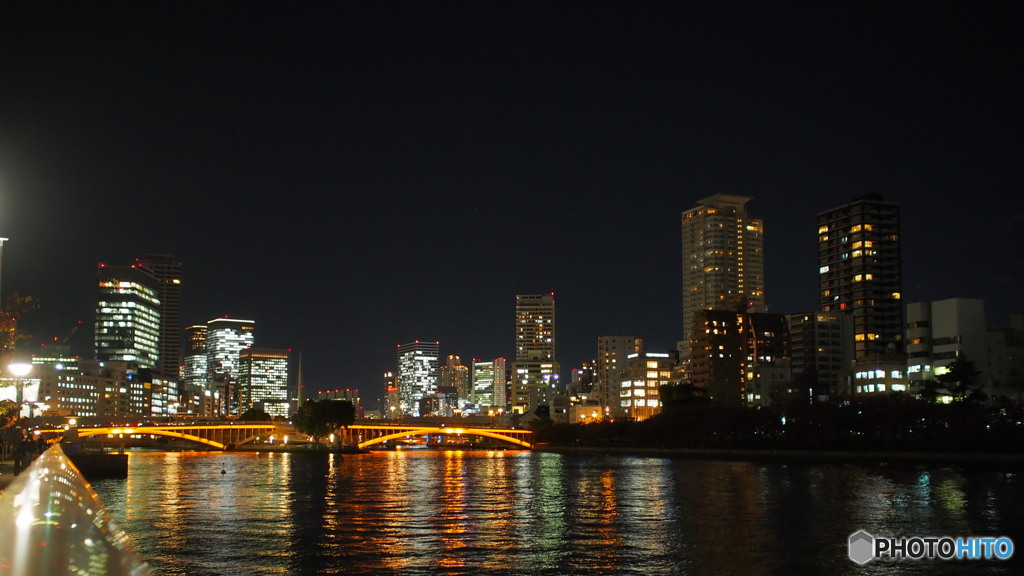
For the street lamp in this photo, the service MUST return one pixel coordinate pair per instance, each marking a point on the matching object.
(19, 370)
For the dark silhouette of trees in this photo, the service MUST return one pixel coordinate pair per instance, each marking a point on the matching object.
(320, 418)
(961, 381)
(254, 415)
(11, 311)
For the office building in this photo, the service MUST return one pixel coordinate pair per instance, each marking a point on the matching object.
(859, 273)
(195, 373)
(166, 269)
(417, 374)
(489, 385)
(723, 260)
(226, 338)
(128, 316)
(263, 381)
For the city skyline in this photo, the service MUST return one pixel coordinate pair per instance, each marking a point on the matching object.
(357, 177)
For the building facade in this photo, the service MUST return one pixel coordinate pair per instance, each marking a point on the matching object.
(859, 272)
(640, 390)
(263, 381)
(166, 269)
(732, 351)
(535, 372)
(128, 316)
(611, 370)
(417, 374)
(723, 260)
(821, 351)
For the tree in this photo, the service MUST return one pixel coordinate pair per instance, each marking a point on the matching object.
(961, 380)
(320, 418)
(254, 414)
(10, 312)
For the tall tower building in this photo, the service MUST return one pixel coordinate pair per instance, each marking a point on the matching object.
(226, 338)
(859, 272)
(128, 316)
(723, 260)
(418, 364)
(195, 372)
(535, 373)
(167, 271)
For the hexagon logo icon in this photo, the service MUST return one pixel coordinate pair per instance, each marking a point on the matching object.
(861, 547)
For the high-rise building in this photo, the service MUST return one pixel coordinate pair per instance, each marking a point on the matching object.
(416, 378)
(455, 376)
(167, 271)
(489, 384)
(535, 373)
(226, 338)
(128, 316)
(612, 353)
(723, 260)
(263, 381)
(195, 373)
(859, 272)
(535, 328)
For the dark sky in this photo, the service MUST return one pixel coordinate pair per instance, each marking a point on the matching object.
(356, 175)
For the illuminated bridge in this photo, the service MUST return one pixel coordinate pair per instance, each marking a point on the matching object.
(219, 436)
(365, 435)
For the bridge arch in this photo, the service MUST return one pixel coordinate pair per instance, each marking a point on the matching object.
(219, 437)
(381, 434)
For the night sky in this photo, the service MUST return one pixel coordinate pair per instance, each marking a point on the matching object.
(356, 175)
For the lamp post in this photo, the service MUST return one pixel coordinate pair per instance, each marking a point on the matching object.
(19, 370)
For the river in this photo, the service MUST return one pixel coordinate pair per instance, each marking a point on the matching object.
(520, 512)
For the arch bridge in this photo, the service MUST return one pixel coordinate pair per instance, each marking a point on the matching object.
(219, 436)
(365, 435)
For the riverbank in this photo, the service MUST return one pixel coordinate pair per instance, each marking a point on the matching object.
(1013, 460)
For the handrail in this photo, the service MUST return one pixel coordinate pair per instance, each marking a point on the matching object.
(53, 523)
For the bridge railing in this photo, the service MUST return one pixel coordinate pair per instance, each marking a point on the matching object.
(53, 523)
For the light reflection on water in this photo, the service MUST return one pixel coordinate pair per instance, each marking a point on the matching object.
(510, 512)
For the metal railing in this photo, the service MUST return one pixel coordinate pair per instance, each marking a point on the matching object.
(53, 523)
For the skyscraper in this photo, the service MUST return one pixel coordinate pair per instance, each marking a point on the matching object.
(127, 316)
(535, 327)
(859, 272)
(535, 373)
(226, 338)
(167, 271)
(418, 364)
(723, 260)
